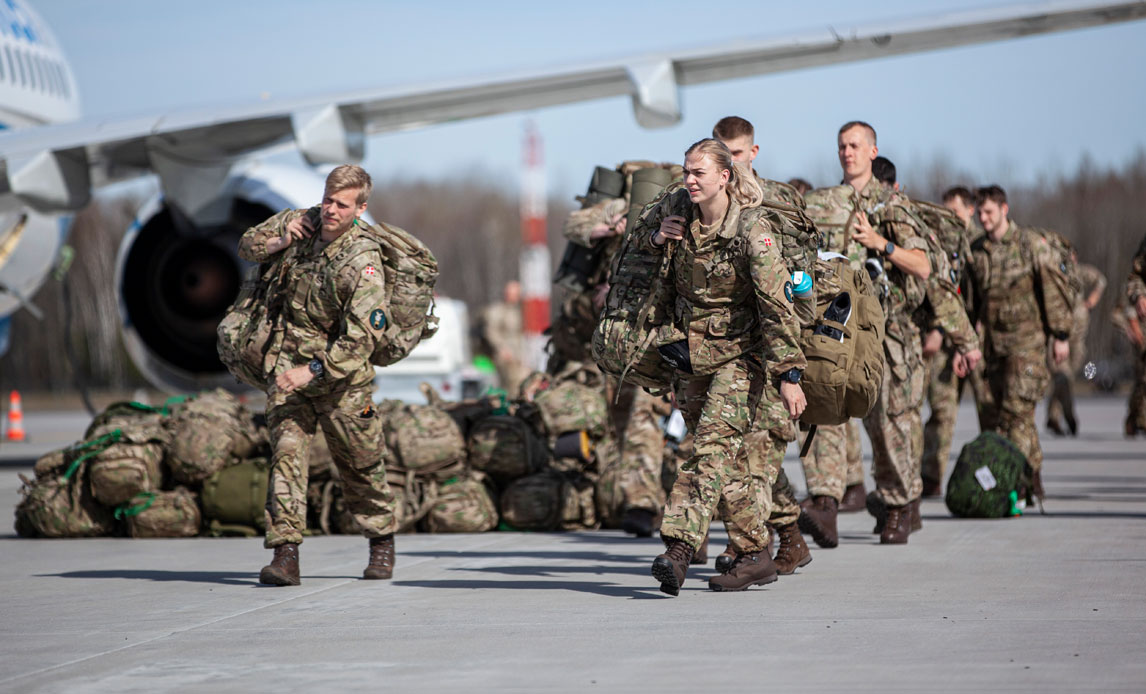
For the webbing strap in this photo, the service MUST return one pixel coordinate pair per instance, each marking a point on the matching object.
(129, 509)
(99, 445)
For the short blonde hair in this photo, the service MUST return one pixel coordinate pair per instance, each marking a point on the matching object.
(350, 176)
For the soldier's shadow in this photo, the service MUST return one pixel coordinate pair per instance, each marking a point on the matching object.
(599, 588)
(230, 578)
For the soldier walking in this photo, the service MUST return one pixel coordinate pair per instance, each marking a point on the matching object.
(333, 314)
(1022, 296)
(1090, 283)
(738, 361)
(1136, 296)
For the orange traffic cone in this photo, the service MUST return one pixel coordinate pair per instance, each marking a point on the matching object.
(15, 417)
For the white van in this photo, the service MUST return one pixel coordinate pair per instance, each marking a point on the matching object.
(443, 361)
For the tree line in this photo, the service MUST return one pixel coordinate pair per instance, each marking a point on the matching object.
(474, 229)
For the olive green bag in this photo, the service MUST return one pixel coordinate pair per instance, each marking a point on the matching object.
(844, 347)
(234, 499)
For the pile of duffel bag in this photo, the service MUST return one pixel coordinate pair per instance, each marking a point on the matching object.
(199, 465)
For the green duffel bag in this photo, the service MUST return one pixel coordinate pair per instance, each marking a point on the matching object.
(234, 499)
(989, 478)
(162, 514)
(464, 505)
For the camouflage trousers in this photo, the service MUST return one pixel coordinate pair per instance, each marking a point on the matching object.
(1136, 406)
(894, 425)
(944, 390)
(355, 444)
(720, 410)
(835, 460)
(631, 475)
(763, 454)
(1014, 385)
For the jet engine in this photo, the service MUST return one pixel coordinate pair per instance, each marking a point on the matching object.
(176, 275)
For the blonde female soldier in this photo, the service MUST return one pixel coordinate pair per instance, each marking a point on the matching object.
(738, 364)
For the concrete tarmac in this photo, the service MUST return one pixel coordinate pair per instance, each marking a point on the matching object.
(1043, 603)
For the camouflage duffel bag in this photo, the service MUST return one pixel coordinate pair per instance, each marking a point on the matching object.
(989, 478)
(131, 461)
(571, 406)
(422, 437)
(162, 514)
(505, 447)
(234, 499)
(463, 505)
(207, 431)
(61, 505)
(533, 502)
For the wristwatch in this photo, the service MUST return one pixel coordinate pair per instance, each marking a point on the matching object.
(1061, 336)
(889, 248)
(316, 368)
(791, 375)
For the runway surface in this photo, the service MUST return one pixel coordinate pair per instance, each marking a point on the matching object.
(1043, 603)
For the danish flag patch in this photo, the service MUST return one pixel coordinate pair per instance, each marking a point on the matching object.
(767, 240)
(369, 271)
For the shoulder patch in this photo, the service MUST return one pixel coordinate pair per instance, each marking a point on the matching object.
(768, 241)
(377, 319)
(369, 271)
(788, 291)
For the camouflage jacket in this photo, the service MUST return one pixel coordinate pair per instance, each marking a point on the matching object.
(1022, 292)
(733, 288)
(834, 211)
(1136, 281)
(333, 305)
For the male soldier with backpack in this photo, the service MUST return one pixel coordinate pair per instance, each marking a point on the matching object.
(1022, 295)
(1136, 296)
(871, 223)
(334, 311)
(943, 312)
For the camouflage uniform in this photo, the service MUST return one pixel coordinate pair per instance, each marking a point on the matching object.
(1022, 293)
(894, 424)
(633, 480)
(943, 387)
(1090, 280)
(1136, 289)
(835, 460)
(731, 301)
(502, 331)
(333, 310)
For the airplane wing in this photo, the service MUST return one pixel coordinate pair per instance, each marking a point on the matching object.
(54, 168)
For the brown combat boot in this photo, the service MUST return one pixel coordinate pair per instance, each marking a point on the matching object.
(853, 498)
(700, 556)
(819, 521)
(283, 569)
(878, 510)
(916, 516)
(670, 568)
(381, 564)
(897, 526)
(747, 570)
(793, 551)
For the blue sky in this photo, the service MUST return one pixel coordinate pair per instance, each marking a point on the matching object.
(1008, 112)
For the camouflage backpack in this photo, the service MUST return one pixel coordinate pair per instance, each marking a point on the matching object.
(235, 498)
(989, 478)
(424, 438)
(131, 463)
(844, 348)
(639, 303)
(534, 502)
(1064, 254)
(571, 406)
(163, 514)
(948, 230)
(207, 431)
(59, 502)
(464, 504)
(505, 447)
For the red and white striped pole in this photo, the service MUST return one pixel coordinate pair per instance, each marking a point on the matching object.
(534, 263)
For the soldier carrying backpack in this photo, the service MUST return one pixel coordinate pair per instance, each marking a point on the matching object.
(346, 295)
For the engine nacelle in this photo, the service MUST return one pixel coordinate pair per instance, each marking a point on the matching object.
(176, 278)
